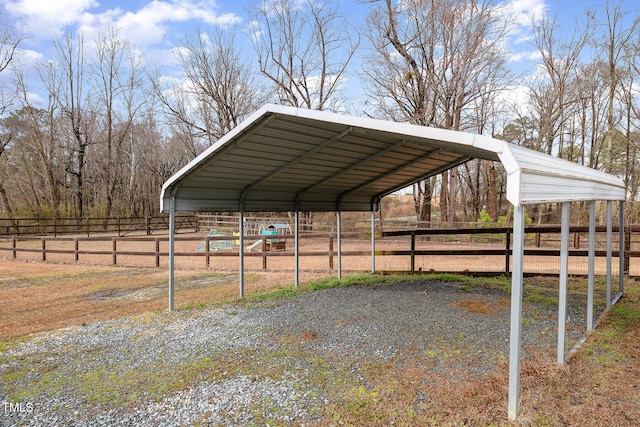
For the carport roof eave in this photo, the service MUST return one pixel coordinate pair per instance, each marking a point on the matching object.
(534, 178)
(518, 162)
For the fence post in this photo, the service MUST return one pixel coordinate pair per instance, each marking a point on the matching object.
(507, 251)
(264, 253)
(44, 250)
(115, 245)
(149, 225)
(14, 247)
(627, 248)
(331, 253)
(76, 245)
(206, 251)
(413, 251)
(157, 252)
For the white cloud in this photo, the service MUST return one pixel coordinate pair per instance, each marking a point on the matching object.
(515, 96)
(530, 56)
(28, 58)
(144, 27)
(39, 18)
(149, 25)
(523, 13)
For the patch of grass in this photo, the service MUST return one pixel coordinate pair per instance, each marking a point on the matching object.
(471, 283)
(372, 281)
(125, 387)
(205, 275)
(624, 316)
(446, 277)
(31, 379)
(275, 294)
(12, 343)
(540, 296)
(386, 395)
(290, 291)
(602, 354)
(117, 386)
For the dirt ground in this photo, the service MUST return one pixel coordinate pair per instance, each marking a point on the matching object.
(40, 297)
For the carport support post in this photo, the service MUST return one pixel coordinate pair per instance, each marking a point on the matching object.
(373, 241)
(339, 227)
(621, 248)
(172, 232)
(592, 264)
(296, 246)
(609, 249)
(516, 312)
(241, 249)
(564, 275)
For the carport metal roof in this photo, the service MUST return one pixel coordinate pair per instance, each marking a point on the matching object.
(291, 159)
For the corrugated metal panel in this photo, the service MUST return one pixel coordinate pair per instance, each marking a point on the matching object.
(535, 177)
(283, 158)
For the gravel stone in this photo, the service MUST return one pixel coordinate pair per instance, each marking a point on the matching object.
(355, 324)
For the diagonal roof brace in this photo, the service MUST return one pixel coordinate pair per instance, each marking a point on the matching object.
(386, 173)
(273, 174)
(348, 169)
(444, 168)
(239, 133)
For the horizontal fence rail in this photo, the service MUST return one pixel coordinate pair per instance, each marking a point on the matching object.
(533, 243)
(88, 226)
(473, 250)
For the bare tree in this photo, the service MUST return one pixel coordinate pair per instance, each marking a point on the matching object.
(554, 95)
(5, 141)
(116, 73)
(593, 110)
(148, 156)
(433, 60)
(304, 49)
(37, 139)
(9, 42)
(65, 80)
(616, 42)
(218, 90)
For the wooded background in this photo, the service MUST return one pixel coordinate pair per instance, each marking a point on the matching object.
(114, 127)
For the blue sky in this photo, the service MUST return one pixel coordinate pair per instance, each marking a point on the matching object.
(157, 26)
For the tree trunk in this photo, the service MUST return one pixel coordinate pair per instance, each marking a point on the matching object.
(444, 196)
(493, 212)
(5, 200)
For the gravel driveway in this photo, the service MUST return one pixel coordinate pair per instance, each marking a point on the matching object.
(248, 364)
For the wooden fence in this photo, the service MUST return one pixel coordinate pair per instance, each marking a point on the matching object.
(472, 250)
(88, 226)
(540, 241)
(79, 249)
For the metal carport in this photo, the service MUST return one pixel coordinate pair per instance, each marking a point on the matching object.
(286, 159)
